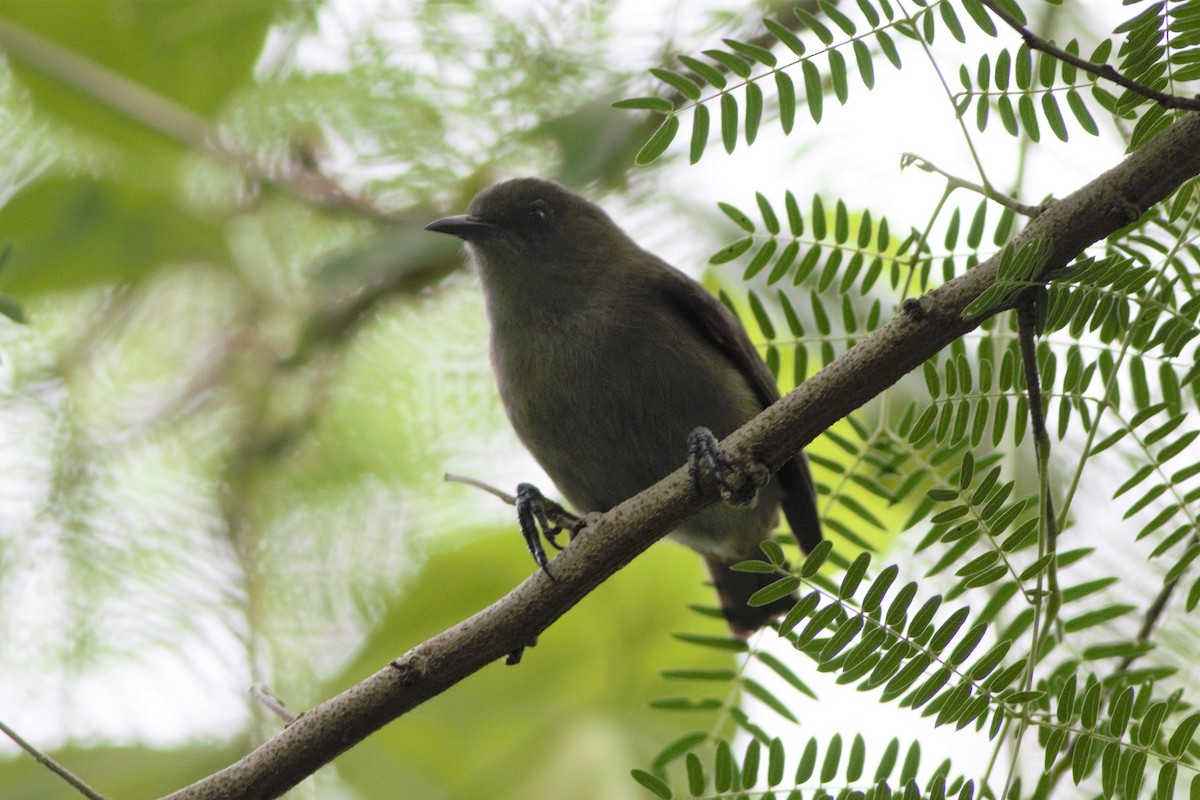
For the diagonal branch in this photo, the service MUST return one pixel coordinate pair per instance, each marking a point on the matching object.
(1110, 202)
(1106, 71)
(52, 765)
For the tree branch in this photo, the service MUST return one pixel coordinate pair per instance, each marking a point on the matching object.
(52, 765)
(1110, 202)
(955, 182)
(1106, 71)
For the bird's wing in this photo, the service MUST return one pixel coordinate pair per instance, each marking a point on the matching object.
(718, 325)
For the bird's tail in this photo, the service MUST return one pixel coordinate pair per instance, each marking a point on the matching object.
(799, 502)
(735, 589)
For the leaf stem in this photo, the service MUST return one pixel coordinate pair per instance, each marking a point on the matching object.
(1105, 71)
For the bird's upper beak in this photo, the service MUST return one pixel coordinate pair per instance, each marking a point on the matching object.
(464, 226)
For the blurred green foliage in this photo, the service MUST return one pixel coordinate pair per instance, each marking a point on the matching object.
(244, 371)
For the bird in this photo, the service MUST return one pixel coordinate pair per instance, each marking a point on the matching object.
(615, 368)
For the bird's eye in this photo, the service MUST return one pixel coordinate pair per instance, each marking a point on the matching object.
(538, 212)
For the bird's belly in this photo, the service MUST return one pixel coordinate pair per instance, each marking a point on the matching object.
(616, 420)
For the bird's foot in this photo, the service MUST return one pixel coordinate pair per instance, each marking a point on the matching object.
(514, 657)
(738, 483)
(534, 514)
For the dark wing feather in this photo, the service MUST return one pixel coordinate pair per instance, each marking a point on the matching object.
(716, 323)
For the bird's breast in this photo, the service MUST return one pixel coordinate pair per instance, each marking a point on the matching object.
(605, 406)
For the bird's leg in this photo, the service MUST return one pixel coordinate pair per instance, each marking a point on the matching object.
(534, 512)
(704, 448)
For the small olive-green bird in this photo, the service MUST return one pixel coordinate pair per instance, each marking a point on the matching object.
(608, 360)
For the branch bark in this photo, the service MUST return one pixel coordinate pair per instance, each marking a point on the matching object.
(1112, 201)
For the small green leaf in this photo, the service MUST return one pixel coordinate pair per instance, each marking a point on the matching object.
(699, 675)
(710, 74)
(854, 576)
(714, 642)
(750, 763)
(833, 757)
(1007, 115)
(839, 19)
(980, 17)
(1183, 735)
(1082, 115)
(987, 662)
(787, 100)
(844, 634)
(1029, 117)
(764, 255)
(816, 558)
(784, 35)
(723, 767)
(681, 83)
(757, 690)
(887, 762)
(751, 51)
(838, 76)
(775, 591)
(775, 762)
(731, 252)
(1097, 617)
(889, 48)
(695, 773)
(1053, 116)
(1118, 717)
(866, 66)
(757, 567)
(799, 612)
(1166, 780)
(660, 141)
(872, 17)
(813, 90)
(950, 19)
(879, 587)
(754, 109)
(729, 121)
(1023, 67)
(700, 125)
(654, 783)
(735, 64)
(659, 104)
(784, 672)
(808, 762)
(814, 24)
(948, 631)
(739, 218)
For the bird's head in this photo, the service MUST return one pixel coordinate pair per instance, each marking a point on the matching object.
(535, 228)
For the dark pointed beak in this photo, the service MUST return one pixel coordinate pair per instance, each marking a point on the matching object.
(464, 226)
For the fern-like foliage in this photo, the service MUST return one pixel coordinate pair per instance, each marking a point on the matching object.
(742, 68)
(1029, 635)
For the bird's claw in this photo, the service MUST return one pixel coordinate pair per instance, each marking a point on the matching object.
(533, 515)
(704, 448)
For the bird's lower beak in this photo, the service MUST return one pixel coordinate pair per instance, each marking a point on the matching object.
(464, 226)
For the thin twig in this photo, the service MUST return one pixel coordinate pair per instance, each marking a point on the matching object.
(554, 512)
(52, 765)
(478, 484)
(1027, 331)
(1048, 531)
(1106, 71)
(271, 702)
(955, 182)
